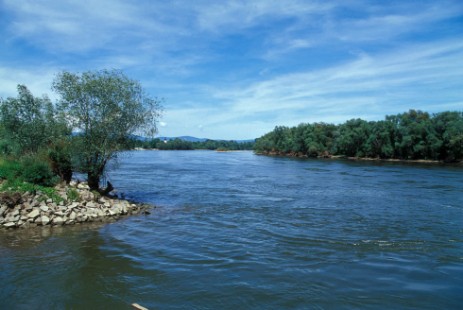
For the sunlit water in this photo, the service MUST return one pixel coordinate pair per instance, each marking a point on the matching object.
(240, 231)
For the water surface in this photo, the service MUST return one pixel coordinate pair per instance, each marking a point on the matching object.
(240, 231)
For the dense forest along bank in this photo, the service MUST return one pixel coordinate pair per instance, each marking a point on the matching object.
(413, 135)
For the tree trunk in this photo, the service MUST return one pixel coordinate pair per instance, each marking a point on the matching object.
(93, 181)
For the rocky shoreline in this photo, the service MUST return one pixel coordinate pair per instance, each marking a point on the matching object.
(68, 205)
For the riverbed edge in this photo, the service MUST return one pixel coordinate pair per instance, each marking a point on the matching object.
(72, 204)
(350, 158)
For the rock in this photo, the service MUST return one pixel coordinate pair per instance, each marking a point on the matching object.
(58, 220)
(49, 200)
(82, 186)
(74, 205)
(9, 224)
(3, 209)
(45, 220)
(90, 204)
(33, 214)
(107, 204)
(59, 213)
(15, 213)
(44, 208)
(72, 216)
(10, 199)
(27, 206)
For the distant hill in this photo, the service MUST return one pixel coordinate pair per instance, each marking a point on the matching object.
(184, 138)
(194, 139)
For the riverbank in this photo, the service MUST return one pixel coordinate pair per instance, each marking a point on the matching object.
(392, 160)
(69, 205)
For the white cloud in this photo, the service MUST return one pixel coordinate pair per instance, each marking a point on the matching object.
(38, 81)
(368, 87)
(382, 58)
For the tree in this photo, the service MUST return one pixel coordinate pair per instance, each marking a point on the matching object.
(24, 121)
(104, 108)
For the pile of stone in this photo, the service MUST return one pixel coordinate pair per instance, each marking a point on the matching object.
(38, 209)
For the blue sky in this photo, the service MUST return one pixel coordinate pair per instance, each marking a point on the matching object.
(236, 69)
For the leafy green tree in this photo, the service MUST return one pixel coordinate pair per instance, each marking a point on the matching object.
(449, 131)
(105, 108)
(31, 126)
(351, 138)
(28, 122)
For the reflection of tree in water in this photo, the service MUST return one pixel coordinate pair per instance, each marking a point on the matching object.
(71, 267)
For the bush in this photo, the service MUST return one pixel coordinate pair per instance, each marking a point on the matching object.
(9, 170)
(60, 159)
(37, 172)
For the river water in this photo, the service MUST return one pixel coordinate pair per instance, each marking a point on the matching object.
(240, 231)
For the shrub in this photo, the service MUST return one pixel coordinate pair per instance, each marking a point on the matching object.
(60, 159)
(37, 172)
(9, 170)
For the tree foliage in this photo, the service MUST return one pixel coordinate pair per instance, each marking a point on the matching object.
(31, 127)
(30, 123)
(410, 135)
(180, 144)
(105, 108)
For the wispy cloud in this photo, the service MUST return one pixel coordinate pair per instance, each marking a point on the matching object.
(238, 68)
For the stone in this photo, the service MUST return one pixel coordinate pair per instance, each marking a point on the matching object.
(35, 203)
(90, 204)
(82, 186)
(58, 220)
(33, 214)
(45, 220)
(49, 200)
(107, 204)
(15, 213)
(44, 208)
(72, 216)
(27, 206)
(3, 209)
(59, 213)
(9, 224)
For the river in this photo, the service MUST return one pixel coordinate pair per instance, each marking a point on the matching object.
(235, 230)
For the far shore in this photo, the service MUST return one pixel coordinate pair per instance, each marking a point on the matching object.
(343, 157)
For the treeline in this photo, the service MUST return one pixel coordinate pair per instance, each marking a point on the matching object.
(410, 136)
(179, 144)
